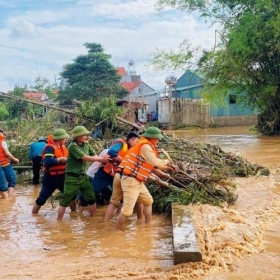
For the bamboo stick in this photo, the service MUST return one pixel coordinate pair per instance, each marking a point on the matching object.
(9, 96)
(130, 123)
(138, 127)
(158, 181)
(22, 167)
(188, 176)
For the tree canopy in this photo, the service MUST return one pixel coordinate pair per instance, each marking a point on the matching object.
(3, 111)
(90, 76)
(247, 59)
(43, 84)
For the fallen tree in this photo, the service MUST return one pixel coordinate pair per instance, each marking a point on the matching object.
(205, 174)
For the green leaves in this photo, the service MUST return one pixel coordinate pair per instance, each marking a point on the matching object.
(3, 111)
(247, 61)
(103, 113)
(90, 77)
(180, 59)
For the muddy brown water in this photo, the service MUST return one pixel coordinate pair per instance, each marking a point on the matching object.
(239, 242)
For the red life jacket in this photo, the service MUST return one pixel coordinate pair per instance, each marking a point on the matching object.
(4, 160)
(110, 168)
(58, 152)
(134, 164)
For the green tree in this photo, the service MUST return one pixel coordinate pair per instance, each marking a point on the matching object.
(247, 59)
(43, 84)
(3, 111)
(16, 108)
(90, 77)
(103, 113)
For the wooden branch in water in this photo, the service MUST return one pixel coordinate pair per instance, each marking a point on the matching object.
(188, 176)
(158, 181)
(178, 183)
(165, 184)
(200, 184)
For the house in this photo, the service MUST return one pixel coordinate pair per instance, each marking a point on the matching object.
(185, 105)
(40, 97)
(137, 91)
(36, 96)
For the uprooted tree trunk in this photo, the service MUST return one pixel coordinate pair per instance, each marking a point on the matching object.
(73, 112)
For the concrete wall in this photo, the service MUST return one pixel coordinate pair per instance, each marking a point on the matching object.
(164, 114)
(234, 120)
(175, 111)
(151, 100)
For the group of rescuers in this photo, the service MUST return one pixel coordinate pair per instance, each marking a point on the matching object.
(117, 175)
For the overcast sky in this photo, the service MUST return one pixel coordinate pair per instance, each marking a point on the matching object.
(39, 37)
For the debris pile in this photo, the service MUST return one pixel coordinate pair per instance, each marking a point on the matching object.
(206, 175)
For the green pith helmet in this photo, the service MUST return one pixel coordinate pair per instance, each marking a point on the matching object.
(153, 132)
(60, 133)
(79, 131)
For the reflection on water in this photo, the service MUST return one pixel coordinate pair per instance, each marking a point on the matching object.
(38, 243)
(264, 150)
(85, 248)
(254, 196)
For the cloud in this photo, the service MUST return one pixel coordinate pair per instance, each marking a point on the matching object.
(42, 41)
(24, 28)
(6, 4)
(120, 10)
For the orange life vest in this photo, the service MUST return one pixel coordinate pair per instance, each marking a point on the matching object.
(4, 160)
(134, 164)
(110, 168)
(58, 152)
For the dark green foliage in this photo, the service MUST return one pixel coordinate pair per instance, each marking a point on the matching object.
(3, 112)
(101, 114)
(245, 57)
(16, 108)
(91, 77)
(20, 110)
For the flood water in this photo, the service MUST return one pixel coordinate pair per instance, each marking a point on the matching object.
(239, 242)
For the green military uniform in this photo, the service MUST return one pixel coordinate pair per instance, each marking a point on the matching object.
(76, 180)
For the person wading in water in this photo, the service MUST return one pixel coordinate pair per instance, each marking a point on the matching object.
(35, 155)
(54, 164)
(5, 157)
(136, 167)
(76, 180)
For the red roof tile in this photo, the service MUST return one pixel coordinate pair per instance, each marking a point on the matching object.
(129, 86)
(121, 71)
(35, 95)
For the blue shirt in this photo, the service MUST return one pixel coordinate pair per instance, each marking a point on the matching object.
(50, 159)
(36, 149)
(114, 149)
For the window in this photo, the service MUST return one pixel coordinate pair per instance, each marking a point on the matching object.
(232, 99)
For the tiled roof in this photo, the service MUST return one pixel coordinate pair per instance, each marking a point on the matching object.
(130, 86)
(121, 71)
(35, 95)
